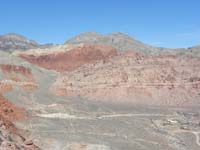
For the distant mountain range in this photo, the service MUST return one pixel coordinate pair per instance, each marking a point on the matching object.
(118, 40)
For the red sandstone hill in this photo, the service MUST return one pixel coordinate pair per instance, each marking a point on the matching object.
(98, 72)
(67, 59)
(135, 78)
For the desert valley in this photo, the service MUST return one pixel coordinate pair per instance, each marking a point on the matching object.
(98, 92)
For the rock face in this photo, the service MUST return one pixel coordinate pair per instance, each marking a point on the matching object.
(118, 40)
(13, 76)
(69, 58)
(10, 42)
(16, 76)
(9, 111)
(134, 78)
(16, 73)
(10, 139)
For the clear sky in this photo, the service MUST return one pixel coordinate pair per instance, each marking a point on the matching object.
(165, 23)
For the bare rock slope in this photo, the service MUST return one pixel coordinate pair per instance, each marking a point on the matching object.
(124, 42)
(16, 42)
(67, 58)
(134, 78)
(119, 40)
(12, 41)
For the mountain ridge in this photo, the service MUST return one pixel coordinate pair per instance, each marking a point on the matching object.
(119, 40)
(12, 41)
(122, 42)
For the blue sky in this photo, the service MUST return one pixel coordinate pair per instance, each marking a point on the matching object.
(164, 23)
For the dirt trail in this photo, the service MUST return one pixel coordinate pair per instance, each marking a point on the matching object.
(68, 116)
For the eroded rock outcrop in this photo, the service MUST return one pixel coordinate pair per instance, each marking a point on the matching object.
(68, 58)
(10, 111)
(14, 75)
(134, 78)
(10, 138)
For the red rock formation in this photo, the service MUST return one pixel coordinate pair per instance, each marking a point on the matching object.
(5, 87)
(13, 76)
(71, 59)
(16, 73)
(9, 111)
(10, 138)
(134, 78)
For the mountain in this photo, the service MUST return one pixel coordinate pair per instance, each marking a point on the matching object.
(12, 41)
(118, 40)
(123, 42)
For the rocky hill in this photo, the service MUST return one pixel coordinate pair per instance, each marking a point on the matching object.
(11, 42)
(69, 57)
(123, 42)
(118, 40)
(134, 78)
